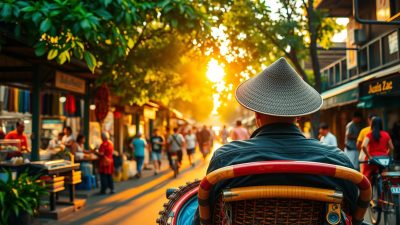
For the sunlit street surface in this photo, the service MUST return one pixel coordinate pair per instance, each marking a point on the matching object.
(135, 201)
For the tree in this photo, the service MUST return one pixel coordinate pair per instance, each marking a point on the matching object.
(98, 30)
(265, 31)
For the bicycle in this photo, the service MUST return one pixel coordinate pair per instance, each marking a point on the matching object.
(385, 192)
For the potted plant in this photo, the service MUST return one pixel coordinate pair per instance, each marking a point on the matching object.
(20, 198)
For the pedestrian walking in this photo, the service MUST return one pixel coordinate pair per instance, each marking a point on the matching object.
(224, 134)
(204, 141)
(376, 143)
(175, 143)
(212, 137)
(106, 164)
(157, 142)
(239, 132)
(139, 146)
(326, 136)
(190, 139)
(353, 129)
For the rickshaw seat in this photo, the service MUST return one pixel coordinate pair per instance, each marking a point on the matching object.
(275, 204)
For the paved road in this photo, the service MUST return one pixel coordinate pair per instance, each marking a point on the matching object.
(136, 202)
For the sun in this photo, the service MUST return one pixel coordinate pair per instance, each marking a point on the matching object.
(215, 72)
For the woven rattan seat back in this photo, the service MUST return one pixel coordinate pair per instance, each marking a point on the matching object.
(269, 212)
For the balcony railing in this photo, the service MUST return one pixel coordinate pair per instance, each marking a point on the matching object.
(371, 57)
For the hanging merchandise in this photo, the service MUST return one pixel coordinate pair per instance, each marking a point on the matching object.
(102, 102)
(70, 105)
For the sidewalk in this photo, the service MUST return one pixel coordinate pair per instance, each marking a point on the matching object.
(140, 186)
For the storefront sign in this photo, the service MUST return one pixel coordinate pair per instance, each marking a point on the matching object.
(382, 9)
(70, 83)
(393, 43)
(383, 86)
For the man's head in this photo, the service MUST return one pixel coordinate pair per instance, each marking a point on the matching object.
(323, 129)
(155, 132)
(105, 136)
(175, 130)
(264, 119)
(67, 131)
(370, 118)
(238, 123)
(357, 117)
(278, 95)
(20, 127)
(139, 134)
(190, 131)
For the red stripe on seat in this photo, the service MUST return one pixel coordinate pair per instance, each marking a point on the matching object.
(205, 184)
(298, 167)
(364, 184)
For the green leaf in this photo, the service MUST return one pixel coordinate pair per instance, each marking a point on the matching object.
(52, 54)
(36, 17)
(85, 24)
(45, 25)
(103, 13)
(28, 9)
(6, 11)
(162, 4)
(90, 60)
(40, 49)
(16, 210)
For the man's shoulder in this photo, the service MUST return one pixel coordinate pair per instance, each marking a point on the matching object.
(305, 150)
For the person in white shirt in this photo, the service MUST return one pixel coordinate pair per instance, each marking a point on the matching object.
(190, 139)
(326, 136)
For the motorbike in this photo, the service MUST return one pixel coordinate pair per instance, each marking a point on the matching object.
(272, 204)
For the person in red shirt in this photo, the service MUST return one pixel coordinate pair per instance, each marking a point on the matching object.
(18, 133)
(106, 164)
(376, 143)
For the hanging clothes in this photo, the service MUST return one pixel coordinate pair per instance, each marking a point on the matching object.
(11, 106)
(21, 101)
(16, 96)
(2, 90)
(70, 105)
(5, 99)
(54, 104)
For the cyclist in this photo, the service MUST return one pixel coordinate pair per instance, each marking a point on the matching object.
(175, 143)
(376, 143)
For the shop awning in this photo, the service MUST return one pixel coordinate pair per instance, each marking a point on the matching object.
(343, 98)
(370, 102)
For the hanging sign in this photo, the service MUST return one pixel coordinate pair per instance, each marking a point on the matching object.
(70, 83)
(383, 86)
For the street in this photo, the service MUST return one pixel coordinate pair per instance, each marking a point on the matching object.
(135, 201)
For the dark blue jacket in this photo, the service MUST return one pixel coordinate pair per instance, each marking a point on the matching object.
(281, 142)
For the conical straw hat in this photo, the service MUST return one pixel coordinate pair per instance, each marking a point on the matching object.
(279, 91)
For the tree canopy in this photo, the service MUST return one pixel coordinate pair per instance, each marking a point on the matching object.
(98, 30)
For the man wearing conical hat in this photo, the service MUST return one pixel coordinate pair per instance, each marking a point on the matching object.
(278, 96)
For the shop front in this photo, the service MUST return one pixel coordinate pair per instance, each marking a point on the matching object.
(45, 97)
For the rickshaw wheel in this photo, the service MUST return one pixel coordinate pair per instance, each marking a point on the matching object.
(166, 214)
